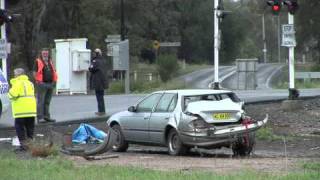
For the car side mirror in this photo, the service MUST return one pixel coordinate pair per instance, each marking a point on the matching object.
(132, 109)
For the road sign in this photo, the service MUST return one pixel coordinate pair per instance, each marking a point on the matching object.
(156, 44)
(3, 49)
(288, 35)
(170, 44)
(113, 38)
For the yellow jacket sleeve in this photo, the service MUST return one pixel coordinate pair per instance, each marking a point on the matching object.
(14, 91)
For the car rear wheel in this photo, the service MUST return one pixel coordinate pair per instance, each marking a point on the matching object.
(120, 144)
(175, 146)
(243, 146)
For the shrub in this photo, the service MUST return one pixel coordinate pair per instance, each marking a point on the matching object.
(167, 66)
(116, 87)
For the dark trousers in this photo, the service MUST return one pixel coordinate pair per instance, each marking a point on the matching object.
(24, 126)
(100, 100)
(44, 95)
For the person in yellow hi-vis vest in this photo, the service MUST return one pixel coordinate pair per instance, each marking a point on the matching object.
(24, 107)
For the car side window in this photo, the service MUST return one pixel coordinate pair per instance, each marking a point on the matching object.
(147, 104)
(173, 103)
(166, 103)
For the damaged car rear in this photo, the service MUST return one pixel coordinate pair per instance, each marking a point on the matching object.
(183, 119)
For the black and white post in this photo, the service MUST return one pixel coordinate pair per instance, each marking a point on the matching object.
(292, 90)
(216, 44)
(4, 37)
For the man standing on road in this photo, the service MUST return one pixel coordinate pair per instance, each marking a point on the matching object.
(98, 80)
(46, 77)
(24, 106)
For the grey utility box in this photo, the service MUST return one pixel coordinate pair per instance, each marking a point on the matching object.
(120, 55)
(246, 71)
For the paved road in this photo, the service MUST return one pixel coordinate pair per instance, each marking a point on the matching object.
(82, 107)
(201, 79)
(79, 107)
(265, 73)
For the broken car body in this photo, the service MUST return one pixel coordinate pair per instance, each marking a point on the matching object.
(182, 119)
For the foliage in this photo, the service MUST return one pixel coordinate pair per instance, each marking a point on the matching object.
(266, 133)
(312, 166)
(167, 66)
(116, 87)
(187, 21)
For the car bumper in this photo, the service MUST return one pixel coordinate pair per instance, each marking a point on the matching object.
(210, 137)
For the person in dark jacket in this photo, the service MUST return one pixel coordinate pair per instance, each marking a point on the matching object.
(98, 80)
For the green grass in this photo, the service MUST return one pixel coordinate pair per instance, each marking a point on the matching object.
(283, 82)
(57, 168)
(144, 86)
(315, 166)
(192, 67)
(152, 68)
(267, 134)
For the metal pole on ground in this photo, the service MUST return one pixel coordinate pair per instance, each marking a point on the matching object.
(292, 90)
(4, 36)
(279, 40)
(216, 45)
(264, 40)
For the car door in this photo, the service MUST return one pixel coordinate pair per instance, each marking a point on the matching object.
(135, 126)
(160, 117)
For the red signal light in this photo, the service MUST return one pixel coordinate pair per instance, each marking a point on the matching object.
(276, 8)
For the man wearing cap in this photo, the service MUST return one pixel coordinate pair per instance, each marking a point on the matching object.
(23, 104)
(46, 77)
(98, 80)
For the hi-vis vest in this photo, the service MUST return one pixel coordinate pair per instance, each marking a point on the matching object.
(39, 74)
(22, 97)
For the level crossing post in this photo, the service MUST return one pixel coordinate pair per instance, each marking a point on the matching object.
(216, 45)
(4, 36)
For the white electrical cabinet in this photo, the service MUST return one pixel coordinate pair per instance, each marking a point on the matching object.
(81, 60)
(72, 62)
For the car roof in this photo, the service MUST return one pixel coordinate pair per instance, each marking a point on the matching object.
(190, 92)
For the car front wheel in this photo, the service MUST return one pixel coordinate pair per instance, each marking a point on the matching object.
(120, 144)
(175, 146)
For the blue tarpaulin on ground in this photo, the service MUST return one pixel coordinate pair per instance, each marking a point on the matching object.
(87, 134)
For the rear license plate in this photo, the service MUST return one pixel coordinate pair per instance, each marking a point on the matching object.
(221, 116)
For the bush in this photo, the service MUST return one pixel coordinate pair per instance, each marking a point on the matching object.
(116, 87)
(167, 66)
(144, 86)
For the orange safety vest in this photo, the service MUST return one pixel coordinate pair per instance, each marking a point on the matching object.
(39, 74)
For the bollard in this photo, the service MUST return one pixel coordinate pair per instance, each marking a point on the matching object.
(67, 140)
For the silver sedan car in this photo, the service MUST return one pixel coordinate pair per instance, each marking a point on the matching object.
(183, 119)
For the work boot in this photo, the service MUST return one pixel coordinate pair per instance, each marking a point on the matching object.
(19, 149)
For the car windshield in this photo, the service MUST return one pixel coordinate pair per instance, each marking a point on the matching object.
(209, 97)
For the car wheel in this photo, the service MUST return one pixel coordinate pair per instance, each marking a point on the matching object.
(243, 146)
(175, 146)
(120, 145)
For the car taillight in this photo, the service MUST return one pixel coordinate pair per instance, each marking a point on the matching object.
(198, 123)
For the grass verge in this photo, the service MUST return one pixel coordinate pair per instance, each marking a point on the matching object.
(282, 82)
(145, 86)
(267, 134)
(56, 167)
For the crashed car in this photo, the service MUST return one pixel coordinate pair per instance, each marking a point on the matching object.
(183, 119)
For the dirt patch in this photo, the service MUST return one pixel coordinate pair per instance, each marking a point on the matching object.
(299, 142)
